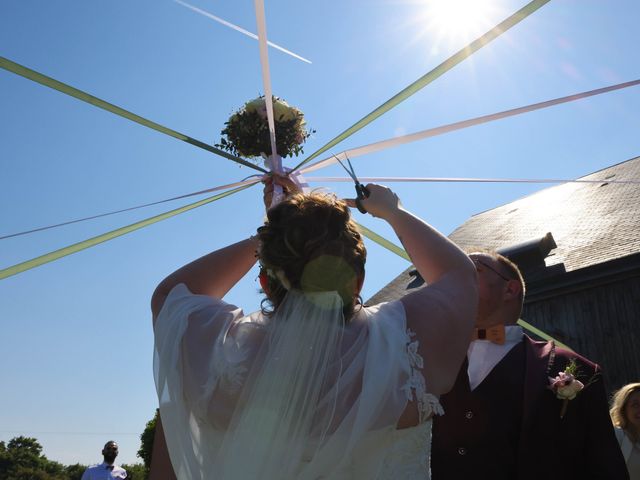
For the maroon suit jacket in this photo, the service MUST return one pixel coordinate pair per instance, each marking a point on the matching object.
(537, 443)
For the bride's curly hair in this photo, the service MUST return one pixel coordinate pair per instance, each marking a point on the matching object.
(310, 243)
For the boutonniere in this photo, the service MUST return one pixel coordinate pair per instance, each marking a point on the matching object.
(566, 386)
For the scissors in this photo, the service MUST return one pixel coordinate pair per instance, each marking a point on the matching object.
(361, 191)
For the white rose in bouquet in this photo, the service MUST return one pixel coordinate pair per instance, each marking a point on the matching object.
(283, 112)
(256, 105)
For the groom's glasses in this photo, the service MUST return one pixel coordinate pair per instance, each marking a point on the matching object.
(480, 265)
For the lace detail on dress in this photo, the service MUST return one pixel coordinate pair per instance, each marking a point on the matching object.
(232, 378)
(228, 363)
(428, 404)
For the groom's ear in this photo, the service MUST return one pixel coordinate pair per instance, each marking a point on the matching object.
(513, 290)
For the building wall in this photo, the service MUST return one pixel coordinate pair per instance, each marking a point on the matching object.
(601, 323)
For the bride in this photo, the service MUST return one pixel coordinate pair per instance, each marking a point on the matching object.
(316, 385)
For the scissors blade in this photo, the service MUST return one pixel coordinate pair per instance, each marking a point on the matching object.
(350, 172)
(354, 176)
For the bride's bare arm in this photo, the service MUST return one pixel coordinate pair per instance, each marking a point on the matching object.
(443, 313)
(214, 274)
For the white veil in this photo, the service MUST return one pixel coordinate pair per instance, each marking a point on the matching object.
(288, 403)
(311, 393)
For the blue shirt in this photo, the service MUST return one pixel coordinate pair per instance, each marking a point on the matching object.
(100, 472)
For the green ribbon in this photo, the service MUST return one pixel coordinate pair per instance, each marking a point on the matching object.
(85, 97)
(63, 252)
(542, 335)
(429, 77)
(380, 240)
(402, 253)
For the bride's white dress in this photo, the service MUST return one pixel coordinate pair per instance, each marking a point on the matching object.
(205, 354)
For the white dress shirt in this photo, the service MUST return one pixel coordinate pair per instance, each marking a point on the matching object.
(100, 472)
(630, 452)
(483, 355)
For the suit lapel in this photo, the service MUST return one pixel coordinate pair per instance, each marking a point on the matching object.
(540, 357)
(463, 377)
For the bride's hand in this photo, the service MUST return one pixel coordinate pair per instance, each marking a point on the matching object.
(289, 187)
(381, 202)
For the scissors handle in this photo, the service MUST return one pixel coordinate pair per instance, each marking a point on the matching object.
(362, 192)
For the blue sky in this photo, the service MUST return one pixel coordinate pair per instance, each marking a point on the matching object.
(76, 337)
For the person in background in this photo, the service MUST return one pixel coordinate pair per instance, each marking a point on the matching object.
(625, 414)
(107, 469)
(515, 412)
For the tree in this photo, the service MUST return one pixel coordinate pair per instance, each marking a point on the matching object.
(146, 442)
(136, 471)
(5, 461)
(75, 471)
(22, 459)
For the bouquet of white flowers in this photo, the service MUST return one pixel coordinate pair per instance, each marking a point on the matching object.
(246, 133)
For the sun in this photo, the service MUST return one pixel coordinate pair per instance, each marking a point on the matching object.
(457, 19)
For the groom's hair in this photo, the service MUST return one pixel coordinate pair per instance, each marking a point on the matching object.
(509, 268)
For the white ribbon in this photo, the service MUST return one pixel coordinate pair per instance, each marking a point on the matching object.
(432, 132)
(465, 180)
(274, 161)
(238, 29)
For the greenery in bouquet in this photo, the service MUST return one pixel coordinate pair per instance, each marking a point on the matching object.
(246, 133)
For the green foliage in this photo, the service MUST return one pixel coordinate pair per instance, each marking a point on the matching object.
(75, 471)
(572, 368)
(146, 442)
(22, 459)
(136, 471)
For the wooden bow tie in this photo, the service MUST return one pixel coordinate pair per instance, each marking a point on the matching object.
(494, 334)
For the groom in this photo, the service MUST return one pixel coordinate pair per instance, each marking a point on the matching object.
(501, 420)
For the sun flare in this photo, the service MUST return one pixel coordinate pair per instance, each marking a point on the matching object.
(455, 19)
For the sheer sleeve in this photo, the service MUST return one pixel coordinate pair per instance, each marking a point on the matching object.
(202, 346)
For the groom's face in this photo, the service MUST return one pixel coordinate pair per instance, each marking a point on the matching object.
(491, 283)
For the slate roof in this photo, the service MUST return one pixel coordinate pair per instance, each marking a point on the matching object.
(591, 224)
